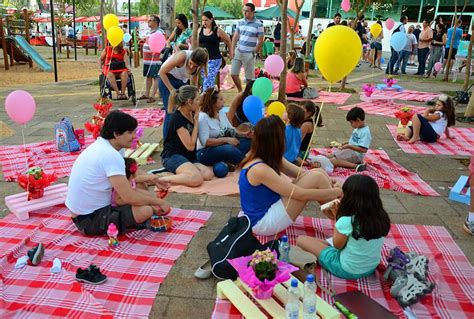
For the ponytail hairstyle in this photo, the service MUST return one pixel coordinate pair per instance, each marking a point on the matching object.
(180, 96)
(208, 14)
(209, 99)
(448, 109)
(201, 58)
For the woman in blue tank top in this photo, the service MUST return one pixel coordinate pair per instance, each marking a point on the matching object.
(265, 192)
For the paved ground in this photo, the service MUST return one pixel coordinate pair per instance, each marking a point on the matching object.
(182, 296)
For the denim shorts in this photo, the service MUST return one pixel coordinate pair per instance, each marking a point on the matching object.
(330, 259)
(427, 133)
(97, 222)
(174, 161)
(151, 70)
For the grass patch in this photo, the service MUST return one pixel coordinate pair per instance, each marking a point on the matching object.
(338, 89)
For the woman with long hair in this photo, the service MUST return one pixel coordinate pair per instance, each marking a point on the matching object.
(179, 38)
(210, 36)
(296, 80)
(236, 114)
(271, 200)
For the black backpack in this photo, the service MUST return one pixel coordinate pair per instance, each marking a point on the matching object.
(234, 240)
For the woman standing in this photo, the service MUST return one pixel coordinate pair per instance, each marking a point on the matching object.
(218, 140)
(376, 49)
(114, 63)
(437, 44)
(209, 38)
(179, 37)
(178, 70)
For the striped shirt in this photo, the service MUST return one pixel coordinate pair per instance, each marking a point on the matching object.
(151, 58)
(249, 31)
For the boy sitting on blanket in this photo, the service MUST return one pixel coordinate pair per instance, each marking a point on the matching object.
(351, 155)
(101, 168)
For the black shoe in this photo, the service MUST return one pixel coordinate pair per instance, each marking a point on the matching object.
(404, 72)
(36, 254)
(92, 275)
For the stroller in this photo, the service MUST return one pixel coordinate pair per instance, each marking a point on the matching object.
(107, 91)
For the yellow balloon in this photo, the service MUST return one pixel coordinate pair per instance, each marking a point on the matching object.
(276, 108)
(115, 35)
(375, 29)
(337, 52)
(110, 20)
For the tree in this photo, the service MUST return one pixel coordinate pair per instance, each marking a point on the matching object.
(294, 25)
(142, 7)
(167, 14)
(450, 52)
(309, 38)
(284, 25)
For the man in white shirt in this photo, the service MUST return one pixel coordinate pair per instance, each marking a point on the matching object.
(101, 168)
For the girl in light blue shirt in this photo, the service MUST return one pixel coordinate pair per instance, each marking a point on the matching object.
(359, 232)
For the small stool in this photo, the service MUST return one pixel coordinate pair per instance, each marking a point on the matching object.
(384, 87)
(376, 98)
(20, 206)
(461, 192)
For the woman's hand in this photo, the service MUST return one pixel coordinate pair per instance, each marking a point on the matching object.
(232, 141)
(196, 117)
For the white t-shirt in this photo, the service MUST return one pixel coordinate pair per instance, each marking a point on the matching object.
(440, 125)
(212, 128)
(89, 187)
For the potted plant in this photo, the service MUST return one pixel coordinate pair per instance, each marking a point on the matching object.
(368, 89)
(262, 271)
(34, 182)
(404, 115)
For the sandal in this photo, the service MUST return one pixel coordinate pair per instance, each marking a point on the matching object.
(143, 97)
(122, 97)
(150, 100)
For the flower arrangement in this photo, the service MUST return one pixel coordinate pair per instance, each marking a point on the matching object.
(390, 81)
(34, 182)
(368, 89)
(262, 272)
(404, 115)
(136, 141)
(102, 107)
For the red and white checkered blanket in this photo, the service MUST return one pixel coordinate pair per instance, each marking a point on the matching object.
(462, 144)
(14, 159)
(387, 173)
(383, 108)
(148, 117)
(409, 95)
(326, 97)
(449, 269)
(135, 269)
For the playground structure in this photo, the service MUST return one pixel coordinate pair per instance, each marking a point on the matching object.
(15, 42)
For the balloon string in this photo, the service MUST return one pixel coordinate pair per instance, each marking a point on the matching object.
(26, 161)
(146, 77)
(107, 69)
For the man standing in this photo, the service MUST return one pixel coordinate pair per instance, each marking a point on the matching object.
(406, 52)
(336, 20)
(151, 61)
(248, 37)
(394, 56)
(457, 40)
(424, 43)
(101, 168)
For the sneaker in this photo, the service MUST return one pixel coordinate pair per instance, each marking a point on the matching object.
(36, 254)
(92, 275)
(408, 289)
(469, 227)
(361, 167)
(203, 272)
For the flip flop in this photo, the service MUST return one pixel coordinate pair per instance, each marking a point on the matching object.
(143, 97)
(122, 97)
(151, 100)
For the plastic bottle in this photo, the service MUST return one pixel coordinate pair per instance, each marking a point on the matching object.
(292, 306)
(309, 299)
(112, 232)
(284, 249)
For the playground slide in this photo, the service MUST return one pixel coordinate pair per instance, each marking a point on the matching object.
(35, 56)
(18, 55)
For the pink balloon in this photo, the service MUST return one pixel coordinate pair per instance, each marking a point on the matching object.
(390, 23)
(438, 66)
(345, 5)
(274, 65)
(20, 106)
(157, 42)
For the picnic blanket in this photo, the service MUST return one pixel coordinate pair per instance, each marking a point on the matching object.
(387, 173)
(383, 108)
(409, 95)
(147, 117)
(326, 97)
(135, 269)
(448, 268)
(217, 186)
(462, 144)
(15, 160)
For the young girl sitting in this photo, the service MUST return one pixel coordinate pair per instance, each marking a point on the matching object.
(311, 114)
(432, 124)
(361, 225)
(290, 59)
(296, 79)
(293, 138)
(270, 200)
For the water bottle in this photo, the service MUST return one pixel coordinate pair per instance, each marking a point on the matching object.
(292, 306)
(112, 232)
(284, 249)
(309, 299)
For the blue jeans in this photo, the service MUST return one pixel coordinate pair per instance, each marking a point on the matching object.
(165, 95)
(403, 60)
(391, 63)
(227, 153)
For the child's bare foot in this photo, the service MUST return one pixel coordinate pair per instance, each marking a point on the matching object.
(402, 137)
(413, 140)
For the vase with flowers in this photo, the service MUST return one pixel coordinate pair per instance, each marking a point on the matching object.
(94, 126)
(35, 181)
(405, 114)
(389, 81)
(369, 89)
(262, 271)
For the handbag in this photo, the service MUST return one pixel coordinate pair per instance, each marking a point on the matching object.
(310, 93)
(117, 65)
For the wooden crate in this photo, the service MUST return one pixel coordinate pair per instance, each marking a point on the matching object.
(142, 153)
(237, 293)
